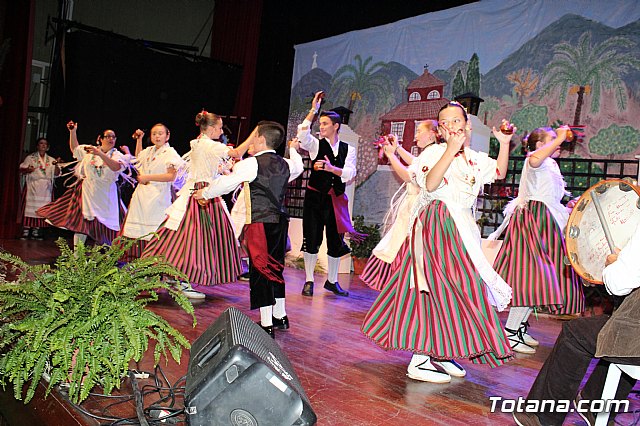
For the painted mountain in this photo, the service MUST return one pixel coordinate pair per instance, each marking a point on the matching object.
(538, 52)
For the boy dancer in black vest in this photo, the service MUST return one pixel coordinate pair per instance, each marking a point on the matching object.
(325, 203)
(266, 176)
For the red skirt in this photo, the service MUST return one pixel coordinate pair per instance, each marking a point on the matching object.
(204, 246)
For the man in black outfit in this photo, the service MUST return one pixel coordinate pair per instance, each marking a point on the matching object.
(325, 202)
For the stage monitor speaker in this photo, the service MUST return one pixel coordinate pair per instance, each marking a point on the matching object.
(238, 375)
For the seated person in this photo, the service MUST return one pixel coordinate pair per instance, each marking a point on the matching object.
(604, 337)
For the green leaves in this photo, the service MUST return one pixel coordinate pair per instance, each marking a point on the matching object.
(83, 320)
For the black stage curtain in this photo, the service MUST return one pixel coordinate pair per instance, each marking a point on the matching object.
(108, 82)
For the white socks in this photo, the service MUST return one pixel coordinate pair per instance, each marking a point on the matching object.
(278, 309)
(517, 315)
(266, 316)
(333, 263)
(310, 261)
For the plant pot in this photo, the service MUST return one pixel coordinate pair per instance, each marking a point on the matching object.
(359, 264)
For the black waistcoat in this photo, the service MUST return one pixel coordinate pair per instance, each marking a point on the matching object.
(269, 188)
(324, 181)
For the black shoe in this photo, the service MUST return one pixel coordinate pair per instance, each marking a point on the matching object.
(244, 277)
(336, 289)
(281, 323)
(307, 290)
(268, 329)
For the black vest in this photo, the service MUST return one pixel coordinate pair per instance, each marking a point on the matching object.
(269, 188)
(324, 181)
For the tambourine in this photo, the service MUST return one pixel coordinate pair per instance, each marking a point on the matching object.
(604, 217)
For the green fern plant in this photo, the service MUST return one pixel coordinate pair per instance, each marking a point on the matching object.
(83, 320)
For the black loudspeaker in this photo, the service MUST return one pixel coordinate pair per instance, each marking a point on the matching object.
(238, 375)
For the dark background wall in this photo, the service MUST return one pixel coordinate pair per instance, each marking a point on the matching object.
(258, 35)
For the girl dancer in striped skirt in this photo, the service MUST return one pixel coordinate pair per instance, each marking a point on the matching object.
(437, 303)
(531, 256)
(157, 167)
(92, 206)
(40, 171)
(381, 264)
(198, 239)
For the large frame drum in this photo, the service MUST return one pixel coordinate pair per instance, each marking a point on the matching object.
(604, 217)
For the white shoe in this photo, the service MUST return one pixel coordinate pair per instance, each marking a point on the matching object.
(451, 367)
(188, 291)
(527, 337)
(516, 340)
(420, 368)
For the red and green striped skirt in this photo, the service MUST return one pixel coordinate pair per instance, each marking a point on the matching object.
(204, 246)
(531, 260)
(377, 274)
(66, 213)
(454, 320)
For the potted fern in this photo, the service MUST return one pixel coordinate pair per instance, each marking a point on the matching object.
(83, 320)
(361, 250)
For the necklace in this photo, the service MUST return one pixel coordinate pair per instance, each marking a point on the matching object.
(98, 166)
(43, 163)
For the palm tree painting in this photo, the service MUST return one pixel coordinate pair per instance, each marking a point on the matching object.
(354, 82)
(584, 69)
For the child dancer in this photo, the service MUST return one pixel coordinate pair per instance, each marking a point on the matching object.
(437, 303)
(531, 256)
(197, 238)
(380, 266)
(266, 177)
(157, 166)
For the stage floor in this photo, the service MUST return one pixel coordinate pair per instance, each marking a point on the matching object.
(348, 379)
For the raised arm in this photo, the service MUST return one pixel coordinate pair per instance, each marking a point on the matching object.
(390, 150)
(138, 135)
(539, 155)
(503, 153)
(455, 142)
(73, 137)
(241, 149)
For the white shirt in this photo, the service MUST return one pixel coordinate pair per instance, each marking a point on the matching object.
(310, 143)
(247, 171)
(623, 275)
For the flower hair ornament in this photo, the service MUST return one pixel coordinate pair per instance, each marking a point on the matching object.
(204, 114)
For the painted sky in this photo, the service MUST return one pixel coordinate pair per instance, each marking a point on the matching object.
(457, 33)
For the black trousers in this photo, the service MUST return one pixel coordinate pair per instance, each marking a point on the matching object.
(564, 369)
(318, 215)
(263, 292)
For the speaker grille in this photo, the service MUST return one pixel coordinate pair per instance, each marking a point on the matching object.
(247, 333)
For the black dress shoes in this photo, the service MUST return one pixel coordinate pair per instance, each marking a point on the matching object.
(307, 290)
(336, 289)
(281, 323)
(268, 329)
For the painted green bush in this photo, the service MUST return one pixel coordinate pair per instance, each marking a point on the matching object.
(615, 140)
(529, 118)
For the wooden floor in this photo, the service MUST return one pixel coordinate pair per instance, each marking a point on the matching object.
(348, 379)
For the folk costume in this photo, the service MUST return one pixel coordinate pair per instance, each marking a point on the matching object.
(92, 206)
(37, 191)
(198, 239)
(437, 302)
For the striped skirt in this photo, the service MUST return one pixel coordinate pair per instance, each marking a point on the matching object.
(204, 246)
(27, 221)
(66, 213)
(454, 320)
(135, 251)
(531, 260)
(377, 274)
(32, 222)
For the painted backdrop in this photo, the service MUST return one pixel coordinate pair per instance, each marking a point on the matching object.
(535, 62)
